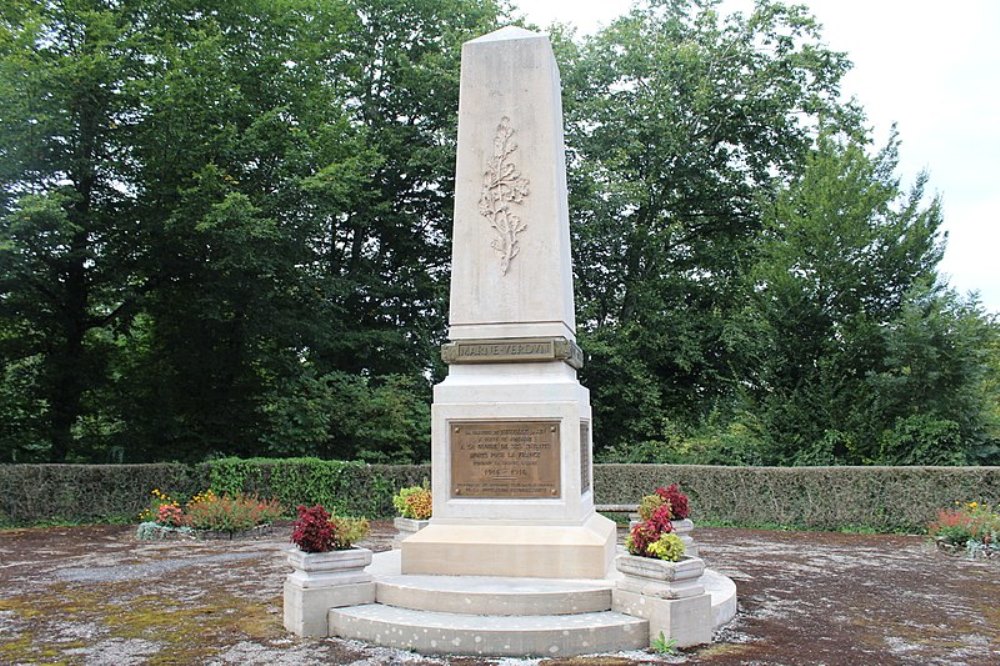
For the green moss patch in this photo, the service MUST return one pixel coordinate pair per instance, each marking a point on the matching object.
(218, 619)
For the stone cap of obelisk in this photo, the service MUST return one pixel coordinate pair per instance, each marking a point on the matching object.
(511, 267)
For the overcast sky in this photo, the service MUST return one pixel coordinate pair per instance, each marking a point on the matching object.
(932, 68)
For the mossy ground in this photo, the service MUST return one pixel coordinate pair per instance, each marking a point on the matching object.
(76, 595)
(115, 611)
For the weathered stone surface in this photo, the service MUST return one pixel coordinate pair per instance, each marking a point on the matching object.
(511, 269)
(687, 621)
(512, 330)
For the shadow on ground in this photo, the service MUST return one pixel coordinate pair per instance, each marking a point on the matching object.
(95, 595)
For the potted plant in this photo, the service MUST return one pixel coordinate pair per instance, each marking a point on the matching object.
(414, 505)
(656, 563)
(679, 509)
(329, 570)
(660, 582)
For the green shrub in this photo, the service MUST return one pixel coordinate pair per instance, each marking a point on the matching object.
(413, 502)
(89, 493)
(885, 499)
(347, 531)
(208, 511)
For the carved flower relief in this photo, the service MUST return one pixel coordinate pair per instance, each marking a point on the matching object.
(503, 185)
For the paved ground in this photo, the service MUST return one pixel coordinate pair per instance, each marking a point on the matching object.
(94, 595)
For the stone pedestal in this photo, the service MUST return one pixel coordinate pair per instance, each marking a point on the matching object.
(683, 529)
(667, 594)
(511, 425)
(322, 581)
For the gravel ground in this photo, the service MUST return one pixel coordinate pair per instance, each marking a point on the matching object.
(95, 595)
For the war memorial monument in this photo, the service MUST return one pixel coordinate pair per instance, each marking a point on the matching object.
(516, 561)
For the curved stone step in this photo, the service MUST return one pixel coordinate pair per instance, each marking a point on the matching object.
(430, 632)
(480, 595)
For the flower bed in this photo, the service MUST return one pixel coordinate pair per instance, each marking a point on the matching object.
(971, 529)
(207, 516)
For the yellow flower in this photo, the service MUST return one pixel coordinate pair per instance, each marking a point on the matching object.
(973, 505)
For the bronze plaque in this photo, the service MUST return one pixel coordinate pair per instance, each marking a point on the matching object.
(505, 459)
(584, 457)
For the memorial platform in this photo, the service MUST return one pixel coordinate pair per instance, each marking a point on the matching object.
(495, 616)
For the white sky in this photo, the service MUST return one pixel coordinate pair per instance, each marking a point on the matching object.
(932, 68)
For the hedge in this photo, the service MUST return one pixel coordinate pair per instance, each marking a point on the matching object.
(877, 498)
(884, 499)
(88, 493)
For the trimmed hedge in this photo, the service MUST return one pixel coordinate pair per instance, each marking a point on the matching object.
(89, 493)
(346, 488)
(885, 499)
(878, 498)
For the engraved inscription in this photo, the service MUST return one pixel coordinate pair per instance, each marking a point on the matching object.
(584, 457)
(503, 185)
(505, 459)
(508, 349)
(513, 350)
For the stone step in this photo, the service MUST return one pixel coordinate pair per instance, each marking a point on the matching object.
(486, 595)
(480, 595)
(431, 632)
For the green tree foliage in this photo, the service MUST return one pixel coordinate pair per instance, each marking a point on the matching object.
(225, 229)
(860, 357)
(206, 204)
(680, 124)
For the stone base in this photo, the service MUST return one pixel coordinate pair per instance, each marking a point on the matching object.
(514, 617)
(533, 636)
(322, 581)
(524, 551)
(306, 609)
(687, 621)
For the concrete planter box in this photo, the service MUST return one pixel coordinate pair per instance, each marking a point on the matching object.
(667, 594)
(322, 581)
(659, 578)
(406, 527)
(683, 529)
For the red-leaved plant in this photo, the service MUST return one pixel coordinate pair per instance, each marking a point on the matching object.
(312, 532)
(677, 500)
(653, 536)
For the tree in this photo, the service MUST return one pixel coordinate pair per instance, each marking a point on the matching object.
(204, 206)
(863, 357)
(65, 261)
(679, 125)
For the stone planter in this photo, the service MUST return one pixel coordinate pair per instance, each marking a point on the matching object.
(667, 594)
(683, 529)
(406, 527)
(322, 581)
(658, 578)
(150, 531)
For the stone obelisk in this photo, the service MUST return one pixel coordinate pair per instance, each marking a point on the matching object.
(511, 435)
